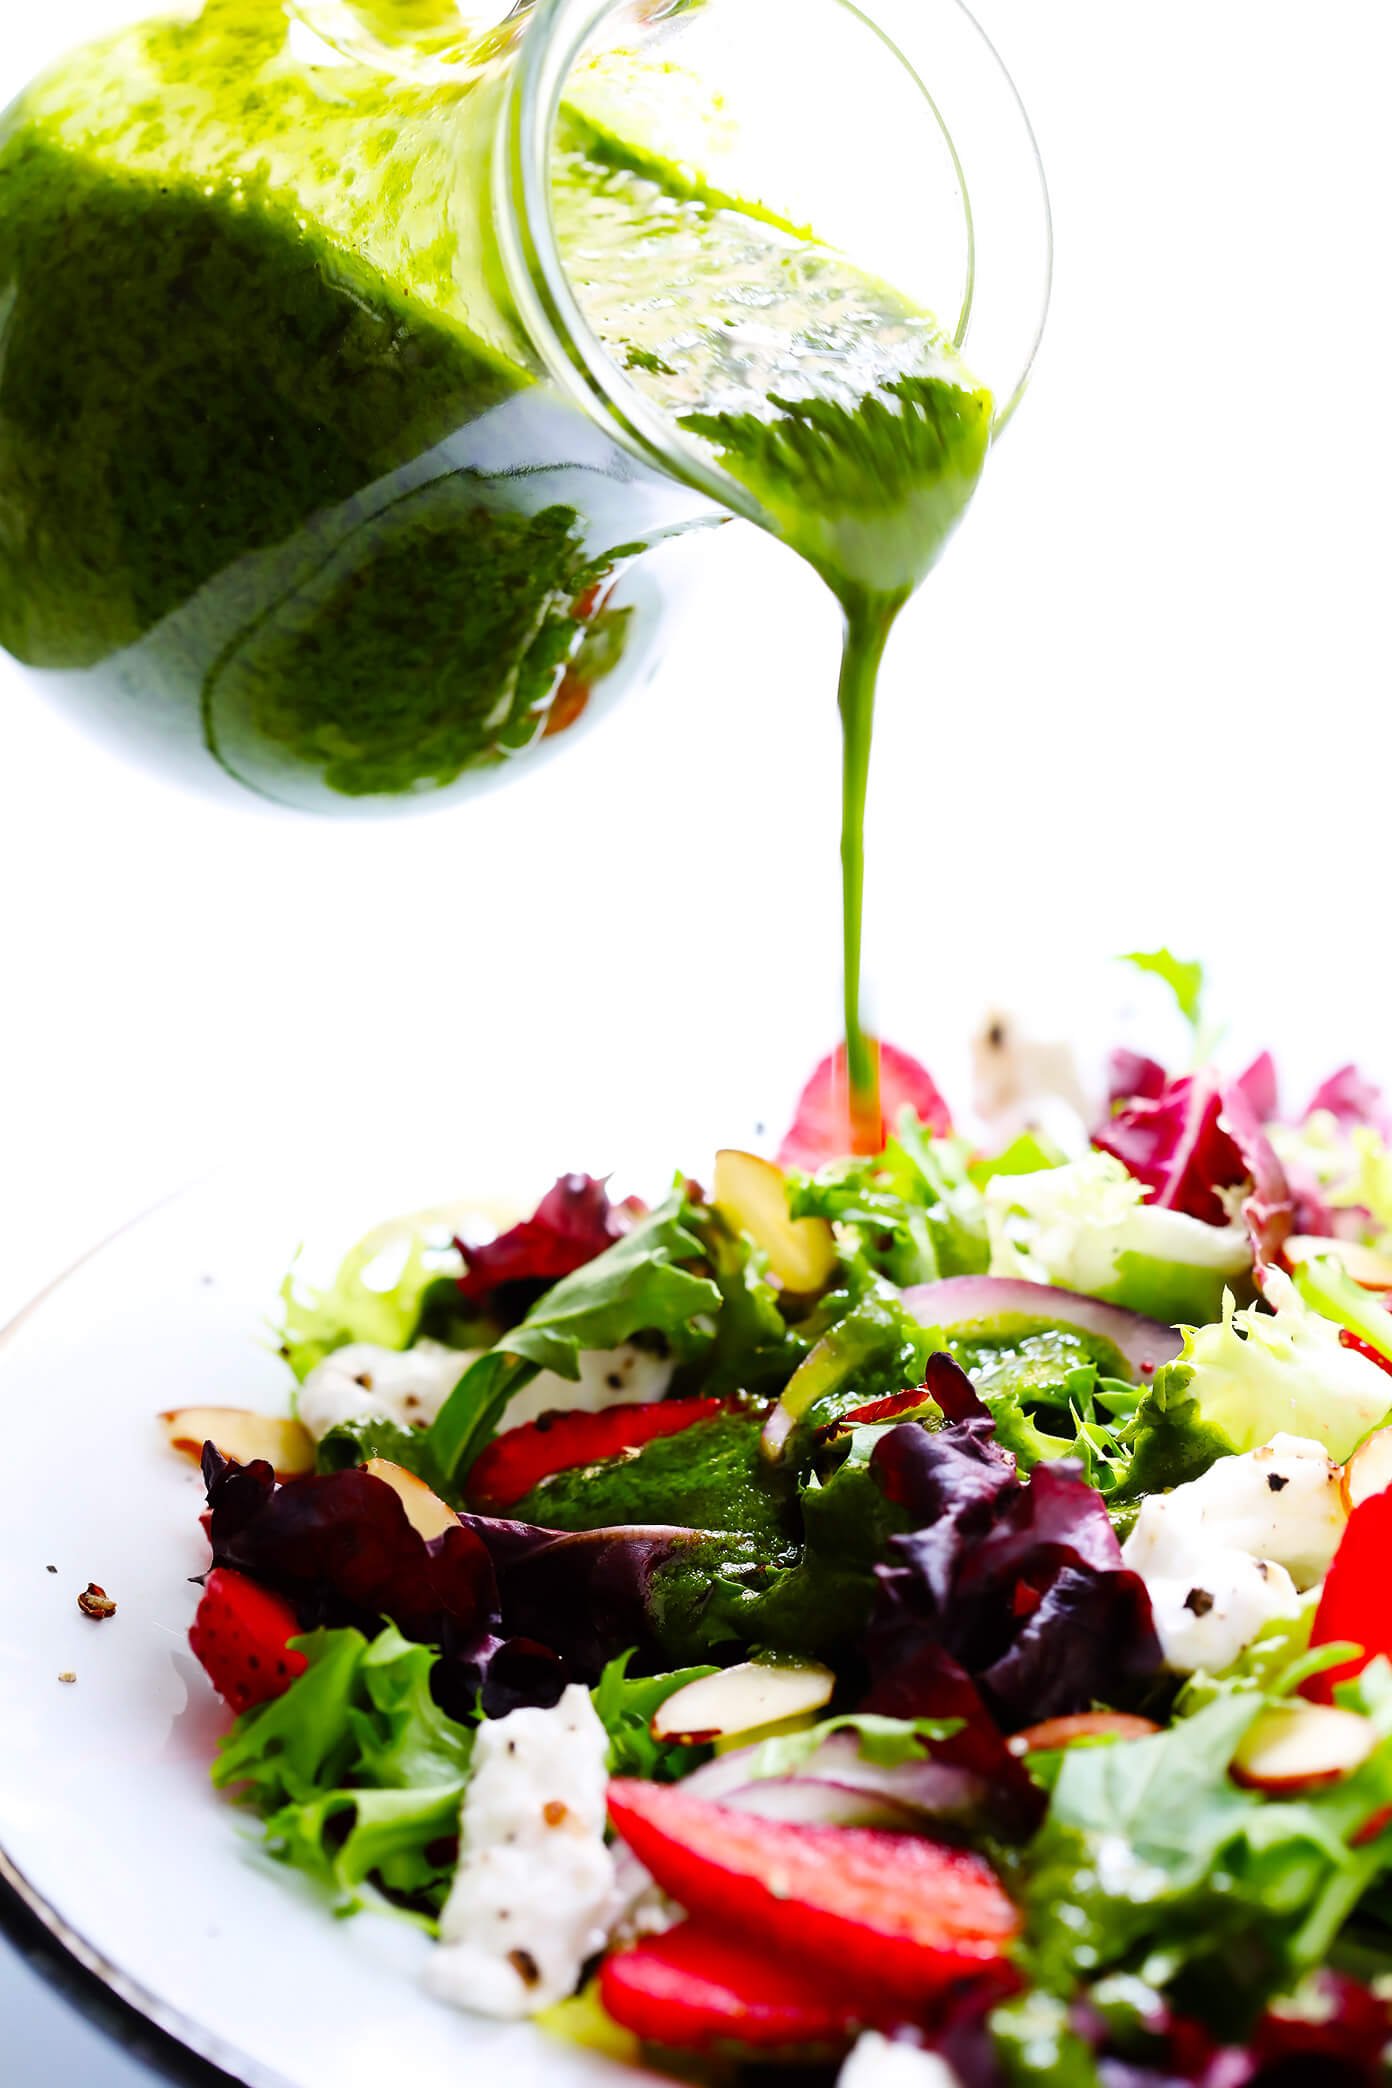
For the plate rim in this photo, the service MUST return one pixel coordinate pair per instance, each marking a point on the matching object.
(70, 1962)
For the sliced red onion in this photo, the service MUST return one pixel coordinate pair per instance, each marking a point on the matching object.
(961, 1304)
(922, 1788)
(809, 1801)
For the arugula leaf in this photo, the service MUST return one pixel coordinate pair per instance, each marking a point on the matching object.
(625, 1704)
(887, 1743)
(356, 1771)
(1184, 977)
(639, 1285)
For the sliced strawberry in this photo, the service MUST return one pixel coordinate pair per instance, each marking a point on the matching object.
(887, 1915)
(516, 1462)
(239, 1632)
(692, 1988)
(822, 1128)
(1354, 1606)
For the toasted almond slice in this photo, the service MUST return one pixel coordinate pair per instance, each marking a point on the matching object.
(1364, 1264)
(425, 1511)
(743, 1700)
(1369, 1470)
(753, 1195)
(1083, 1725)
(240, 1433)
(1297, 1746)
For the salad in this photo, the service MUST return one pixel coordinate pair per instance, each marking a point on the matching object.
(920, 1616)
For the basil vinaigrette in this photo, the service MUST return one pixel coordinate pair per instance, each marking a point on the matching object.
(841, 408)
(284, 485)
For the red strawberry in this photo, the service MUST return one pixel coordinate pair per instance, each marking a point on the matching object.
(239, 1633)
(1354, 1604)
(822, 1131)
(510, 1467)
(691, 1989)
(889, 1915)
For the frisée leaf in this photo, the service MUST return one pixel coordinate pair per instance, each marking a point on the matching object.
(356, 1771)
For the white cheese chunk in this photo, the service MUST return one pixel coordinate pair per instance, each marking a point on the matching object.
(881, 2062)
(1208, 1615)
(365, 1383)
(409, 1386)
(534, 1896)
(626, 1376)
(1281, 1502)
(1228, 1552)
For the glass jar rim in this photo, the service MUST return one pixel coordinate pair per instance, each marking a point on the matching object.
(553, 42)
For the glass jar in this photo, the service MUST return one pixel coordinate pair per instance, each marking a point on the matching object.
(316, 473)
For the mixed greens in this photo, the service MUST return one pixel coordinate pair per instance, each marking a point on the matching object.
(1004, 1534)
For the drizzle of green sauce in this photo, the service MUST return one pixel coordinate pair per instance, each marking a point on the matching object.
(840, 407)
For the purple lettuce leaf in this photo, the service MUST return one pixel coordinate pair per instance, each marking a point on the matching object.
(1132, 1077)
(1196, 1140)
(516, 1611)
(1261, 1087)
(573, 1224)
(1021, 1585)
(1353, 1101)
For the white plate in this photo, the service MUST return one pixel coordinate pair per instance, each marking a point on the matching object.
(108, 1824)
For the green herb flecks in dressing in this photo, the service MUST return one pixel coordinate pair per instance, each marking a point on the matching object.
(842, 409)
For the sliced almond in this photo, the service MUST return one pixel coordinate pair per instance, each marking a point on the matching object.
(1053, 1733)
(752, 1194)
(241, 1434)
(1296, 1747)
(425, 1511)
(1369, 1470)
(743, 1700)
(1364, 1264)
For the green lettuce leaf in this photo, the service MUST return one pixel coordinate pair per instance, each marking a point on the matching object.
(1184, 977)
(639, 1285)
(754, 1348)
(1329, 1290)
(356, 1772)
(625, 1705)
(352, 1443)
(1087, 1227)
(885, 1742)
(1153, 1862)
(376, 1296)
(1275, 1664)
(1255, 1372)
(911, 1215)
(1168, 1438)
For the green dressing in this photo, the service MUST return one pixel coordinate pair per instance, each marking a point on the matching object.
(282, 477)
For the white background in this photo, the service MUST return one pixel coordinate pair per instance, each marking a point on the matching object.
(1144, 699)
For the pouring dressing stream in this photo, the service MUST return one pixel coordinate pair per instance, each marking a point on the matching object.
(355, 360)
